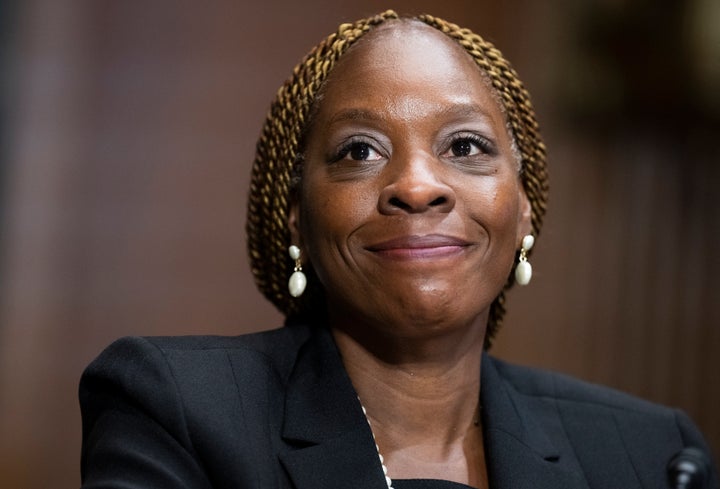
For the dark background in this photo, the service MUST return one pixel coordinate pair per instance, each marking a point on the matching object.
(126, 138)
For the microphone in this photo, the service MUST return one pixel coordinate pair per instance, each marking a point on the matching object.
(688, 469)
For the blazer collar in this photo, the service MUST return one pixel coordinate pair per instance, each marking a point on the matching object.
(329, 444)
(519, 451)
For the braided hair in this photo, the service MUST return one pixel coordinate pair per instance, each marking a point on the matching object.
(278, 161)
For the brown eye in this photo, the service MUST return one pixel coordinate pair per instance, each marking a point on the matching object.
(468, 146)
(358, 151)
(464, 147)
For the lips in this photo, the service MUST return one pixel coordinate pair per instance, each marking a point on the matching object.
(419, 247)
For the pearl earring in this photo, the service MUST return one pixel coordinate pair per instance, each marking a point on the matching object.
(298, 280)
(523, 270)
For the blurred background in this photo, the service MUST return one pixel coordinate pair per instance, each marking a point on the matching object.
(127, 131)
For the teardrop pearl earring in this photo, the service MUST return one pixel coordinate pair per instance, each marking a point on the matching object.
(298, 280)
(523, 270)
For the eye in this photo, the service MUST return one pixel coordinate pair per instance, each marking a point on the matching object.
(467, 145)
(357, 151)
(463, 147)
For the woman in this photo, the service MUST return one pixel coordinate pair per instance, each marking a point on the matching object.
(402, 168)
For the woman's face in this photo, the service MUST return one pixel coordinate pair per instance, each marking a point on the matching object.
(410, 208)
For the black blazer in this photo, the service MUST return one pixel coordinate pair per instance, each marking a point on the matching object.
(277, 410)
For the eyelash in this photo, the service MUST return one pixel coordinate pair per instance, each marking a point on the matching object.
(485, 146)
(349, 146)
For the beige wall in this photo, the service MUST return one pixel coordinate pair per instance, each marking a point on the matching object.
(129, 138)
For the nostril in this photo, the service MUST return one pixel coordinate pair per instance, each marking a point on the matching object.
(400, 204)
(395, 202)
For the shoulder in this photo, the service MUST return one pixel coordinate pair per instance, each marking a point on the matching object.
(601, 424)
(179, 357)
(268, 343)
(177, 381)
(585, 408)
(564, 389)
(177, 400)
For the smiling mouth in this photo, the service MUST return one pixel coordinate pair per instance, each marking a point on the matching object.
(420, 247)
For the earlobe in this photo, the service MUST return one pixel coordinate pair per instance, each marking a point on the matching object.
(524, 216)
(298, 280)
(294, 223)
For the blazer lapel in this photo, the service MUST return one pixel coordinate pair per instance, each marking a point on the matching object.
(329, 444)
(519, 453)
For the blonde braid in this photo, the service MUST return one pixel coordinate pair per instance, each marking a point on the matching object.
(278, 158)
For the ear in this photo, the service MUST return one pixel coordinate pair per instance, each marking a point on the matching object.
(524, 216)
(294, 222)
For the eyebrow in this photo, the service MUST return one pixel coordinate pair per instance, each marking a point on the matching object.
(465, 110)
(459, 110)
(354, 115)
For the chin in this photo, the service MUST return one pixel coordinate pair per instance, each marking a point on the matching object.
(434, 310)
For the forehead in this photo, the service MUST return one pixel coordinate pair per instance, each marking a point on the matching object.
(398, 39)
(402, 63)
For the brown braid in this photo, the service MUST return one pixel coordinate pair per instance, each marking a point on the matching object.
(278, 158)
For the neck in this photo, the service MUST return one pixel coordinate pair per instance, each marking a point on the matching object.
(421, 399)
(417, 390)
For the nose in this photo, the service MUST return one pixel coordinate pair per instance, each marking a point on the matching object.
(413, 187)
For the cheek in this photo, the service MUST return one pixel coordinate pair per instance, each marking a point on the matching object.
(329, 216)
(496, 206)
